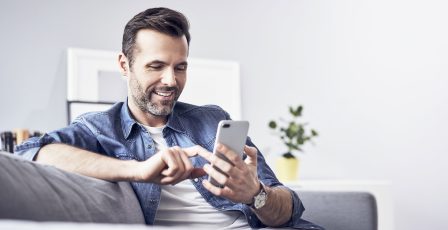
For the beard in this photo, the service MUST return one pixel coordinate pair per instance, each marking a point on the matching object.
(147, 104)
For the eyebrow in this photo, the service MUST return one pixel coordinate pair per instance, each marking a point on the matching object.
(155, 62)
(163, 63)
(183, 63)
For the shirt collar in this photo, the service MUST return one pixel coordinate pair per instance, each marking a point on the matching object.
(174, 120)
(128, 122)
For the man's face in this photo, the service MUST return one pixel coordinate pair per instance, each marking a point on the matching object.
(158, 74)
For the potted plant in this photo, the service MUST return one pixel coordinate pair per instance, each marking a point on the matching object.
(294, 134)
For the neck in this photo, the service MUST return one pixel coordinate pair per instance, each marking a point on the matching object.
(145, 117)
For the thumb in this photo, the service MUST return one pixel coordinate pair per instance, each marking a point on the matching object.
(251, 153)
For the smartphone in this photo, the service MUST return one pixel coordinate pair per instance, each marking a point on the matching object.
(232, 134)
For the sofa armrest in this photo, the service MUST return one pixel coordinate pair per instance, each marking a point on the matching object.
(340, 210)
(32, 191)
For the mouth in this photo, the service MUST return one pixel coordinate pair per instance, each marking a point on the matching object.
(166, 94)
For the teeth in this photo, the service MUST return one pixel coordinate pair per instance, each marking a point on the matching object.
(164, 94)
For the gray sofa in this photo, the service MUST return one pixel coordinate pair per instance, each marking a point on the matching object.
(35, 192)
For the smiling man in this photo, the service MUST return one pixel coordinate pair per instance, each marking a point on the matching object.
(162, 146)
(156, 72)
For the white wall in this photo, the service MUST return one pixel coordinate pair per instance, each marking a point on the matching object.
(372, 76)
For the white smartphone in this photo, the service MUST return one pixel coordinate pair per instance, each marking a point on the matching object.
(232, 134)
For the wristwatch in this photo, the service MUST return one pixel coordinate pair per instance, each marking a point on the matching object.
(260, 199)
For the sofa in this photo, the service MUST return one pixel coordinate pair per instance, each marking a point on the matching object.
(37, 196)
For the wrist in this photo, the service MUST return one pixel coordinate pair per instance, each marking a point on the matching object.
(259, 200)
(146, 171)
(250, 202)
(131, 170)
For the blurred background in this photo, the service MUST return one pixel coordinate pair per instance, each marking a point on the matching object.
(372, 77)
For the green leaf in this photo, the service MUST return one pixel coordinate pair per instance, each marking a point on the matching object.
(292, 146)
(272, 124)
(289, 134)
(299, 110)
(314, 132)
(294, 128)
(291, 110)
(300, 140)
(295, 112)
(301, 131)
(291, 131)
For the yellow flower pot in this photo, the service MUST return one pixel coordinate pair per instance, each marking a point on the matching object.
(286, 169)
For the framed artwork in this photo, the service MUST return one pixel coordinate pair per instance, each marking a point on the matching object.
(94, 82)
(93, 75)
(214, 82)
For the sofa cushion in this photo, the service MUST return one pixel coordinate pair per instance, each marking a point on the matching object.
(33, 191)
(340, 210)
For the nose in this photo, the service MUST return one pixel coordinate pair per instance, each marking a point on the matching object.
(169, 77)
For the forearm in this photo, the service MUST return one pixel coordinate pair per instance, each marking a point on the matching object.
(87, 163)
(278, 209)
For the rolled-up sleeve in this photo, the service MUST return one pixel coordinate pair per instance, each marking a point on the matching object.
(297, 210)
(76, 134)
(30, 147)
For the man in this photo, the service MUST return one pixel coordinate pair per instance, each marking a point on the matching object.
(160, 142)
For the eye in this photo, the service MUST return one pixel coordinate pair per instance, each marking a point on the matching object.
(181, 67)
(155, 67)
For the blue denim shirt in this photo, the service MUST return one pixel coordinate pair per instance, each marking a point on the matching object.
(116, 134)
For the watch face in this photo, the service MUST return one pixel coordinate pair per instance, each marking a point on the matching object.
(260, 200)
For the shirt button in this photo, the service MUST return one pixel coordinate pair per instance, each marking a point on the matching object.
(149, 146)
(196, 180)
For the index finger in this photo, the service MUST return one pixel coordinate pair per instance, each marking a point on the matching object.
(198, 150)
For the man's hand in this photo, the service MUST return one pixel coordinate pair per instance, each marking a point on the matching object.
(169, 166)
(240, 180)
(241, 184)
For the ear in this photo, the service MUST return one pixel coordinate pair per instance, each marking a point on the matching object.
(123, 63)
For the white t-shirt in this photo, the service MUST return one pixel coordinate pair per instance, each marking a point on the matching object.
(183, 205)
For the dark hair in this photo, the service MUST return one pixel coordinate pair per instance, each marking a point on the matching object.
(163, 20)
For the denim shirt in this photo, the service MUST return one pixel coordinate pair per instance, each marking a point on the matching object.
(116, 134)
